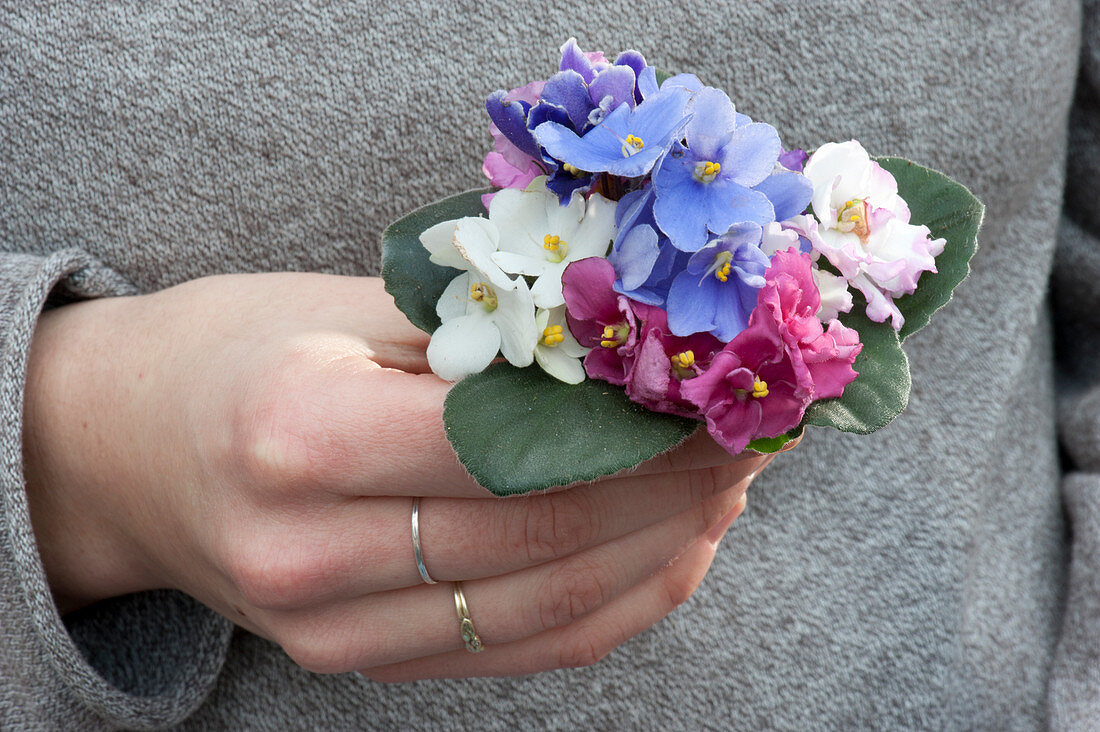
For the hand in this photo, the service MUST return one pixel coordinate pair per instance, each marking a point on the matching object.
(256, 440)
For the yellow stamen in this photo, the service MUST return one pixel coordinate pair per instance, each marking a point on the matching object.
(555, 248)
(632, 145)
(683, 360)
(552, 336)
(573, 170)
(614, 336)
(482, 293)
(853, 219)
(721, 266)
(759, 388)
(706, 171)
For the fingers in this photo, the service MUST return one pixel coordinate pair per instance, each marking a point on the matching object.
(311, 562)
(393, 341)
(343, 443)
(354, 421)
(697, 451)
(387, 627)
(581, 643)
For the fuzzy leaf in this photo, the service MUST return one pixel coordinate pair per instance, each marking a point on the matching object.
(519, 430)
(768, 445)
(411, 278)
(880, 391)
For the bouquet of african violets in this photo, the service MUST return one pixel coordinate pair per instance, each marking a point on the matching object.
(653, 258)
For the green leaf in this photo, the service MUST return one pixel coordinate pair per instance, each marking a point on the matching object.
(951, 212)
(519, 430)
(414, 281)
(880, 392)
(767, 445)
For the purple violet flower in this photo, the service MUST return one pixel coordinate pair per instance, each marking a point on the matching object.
(628, 142)
(643, 257)
(717, 291)
(708, 184)
(793, 160)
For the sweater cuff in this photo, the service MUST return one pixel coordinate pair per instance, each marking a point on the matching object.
(139, 661)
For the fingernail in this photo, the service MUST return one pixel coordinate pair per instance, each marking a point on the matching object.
(715, 533)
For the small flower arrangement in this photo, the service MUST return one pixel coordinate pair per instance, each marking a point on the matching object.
(652, 258)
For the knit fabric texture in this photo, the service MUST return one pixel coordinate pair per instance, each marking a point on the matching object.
(943, 573)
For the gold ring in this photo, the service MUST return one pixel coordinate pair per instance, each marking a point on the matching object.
(465, 625)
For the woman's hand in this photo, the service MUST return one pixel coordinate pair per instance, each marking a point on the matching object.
(256, 441)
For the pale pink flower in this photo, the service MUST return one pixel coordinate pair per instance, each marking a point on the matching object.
(864, 228)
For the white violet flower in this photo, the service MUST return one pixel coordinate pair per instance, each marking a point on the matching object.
(539, 237)
(483, 310)
(558, 352)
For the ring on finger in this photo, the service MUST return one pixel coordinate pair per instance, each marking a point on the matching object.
(417, 554)
(465, 624)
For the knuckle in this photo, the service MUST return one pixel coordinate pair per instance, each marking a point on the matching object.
(557, 525)
(571, 592)
(276, 574)
(281, 436)
(271, 448)
(583, 648)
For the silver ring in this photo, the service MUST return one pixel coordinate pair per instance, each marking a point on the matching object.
(416, 543)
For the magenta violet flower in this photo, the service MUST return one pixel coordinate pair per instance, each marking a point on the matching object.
(753, 388)
(600, 319)
(663, 361)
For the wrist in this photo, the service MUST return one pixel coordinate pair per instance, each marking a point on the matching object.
(77, 500)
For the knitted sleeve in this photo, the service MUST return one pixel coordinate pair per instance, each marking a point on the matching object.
(140, 661)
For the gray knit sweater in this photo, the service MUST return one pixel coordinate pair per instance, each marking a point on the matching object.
(943, 573)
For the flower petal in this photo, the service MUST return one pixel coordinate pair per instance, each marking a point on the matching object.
(751, 153)
(560, 364)
(547, 290)
(635, 256)
(455, 300)
(567, 89)
(463, 346)
(515, 317)
(691, 303)
(439, 240)
(476, 240)
(789, 193)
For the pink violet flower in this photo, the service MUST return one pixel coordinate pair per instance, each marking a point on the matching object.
(865, 231)
(663, 361)
(790, 294)
(600, 319)
(760, 384)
